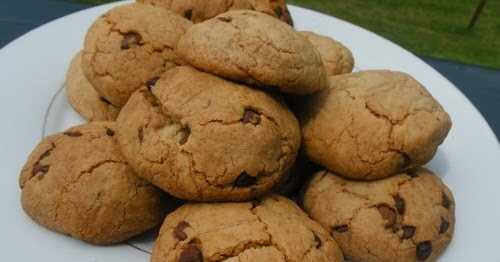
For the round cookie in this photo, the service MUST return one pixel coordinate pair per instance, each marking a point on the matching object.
(373, 124)
(78, 183)
(200, 10)
(203, 138)
(83, 97)
(128, 46)
(336, 57)
(268, 229)
(254, 48)
(407, 217)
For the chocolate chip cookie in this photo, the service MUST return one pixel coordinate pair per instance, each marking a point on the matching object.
(83, 97)
(268, 229)
(200, 137)
(201, 10)
(407, 217)
(78, 183)
(336, 57)
(373, 124)
(254, 48)
(129, 45)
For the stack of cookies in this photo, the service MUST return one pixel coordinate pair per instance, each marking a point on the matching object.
(223, 106)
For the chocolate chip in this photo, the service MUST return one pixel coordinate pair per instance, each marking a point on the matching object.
(191, 253)
(251, 116)
(278, 11)
(225, 19)
(444, 226)
(318, 241)
(340, 228)
(245, 180)
(130, 39)
(184, 133)
(387, 214)
(140, 134)
(110, 131)
(408, 232)
(424, 250)
(73, 133)
(446, 201)
(152, 82)
(179, 230)
(104, 100)
(37, 168)
(188, 14)
(400, 204)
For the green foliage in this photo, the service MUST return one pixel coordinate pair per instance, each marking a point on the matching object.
(434, 28)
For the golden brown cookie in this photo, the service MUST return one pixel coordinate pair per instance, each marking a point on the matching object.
(373, 124)
(252, 47)
(83, 97)
(203, 138)
(78, 183)
(336, 57)
(201, 10)
(128, 46)
(407, 217)
(269, 229)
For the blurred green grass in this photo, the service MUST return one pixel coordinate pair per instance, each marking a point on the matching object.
(433, 28)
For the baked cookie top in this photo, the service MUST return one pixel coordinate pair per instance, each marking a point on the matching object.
(336, 57)
(373, 124)
(269, 229)
(77, 183)
(201, 10)
(200, 137)
(407, 217)
(255, 48)
(129, 45)
(83, 97)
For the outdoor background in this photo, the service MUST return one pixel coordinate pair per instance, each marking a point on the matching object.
(433, 28)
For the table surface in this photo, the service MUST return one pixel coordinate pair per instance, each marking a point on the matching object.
(480, 85)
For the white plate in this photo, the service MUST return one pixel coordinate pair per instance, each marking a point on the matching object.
(32, 70)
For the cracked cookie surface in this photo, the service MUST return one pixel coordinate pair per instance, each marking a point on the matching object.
(268, 229)
(200, 137)
(373, 124)
(129, 45)
(336, 57)
(407, 217)
(255, 48)
(201, 10)
(83, 97)
(78, 183)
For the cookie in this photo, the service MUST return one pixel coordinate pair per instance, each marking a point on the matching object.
(203, 138)
(336, 57)
(254, 48)
(268, 229)
(407, 217)
(83, 97)
(128, 46)
(78, 183)
(200, 10)
(373, 124)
